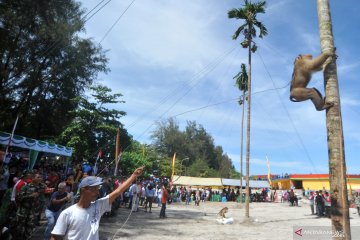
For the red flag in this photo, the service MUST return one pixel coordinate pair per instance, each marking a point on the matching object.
(100, 154)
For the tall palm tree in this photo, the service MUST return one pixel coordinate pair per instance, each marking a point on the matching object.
(248, 13)
(241, 83)
(337, 167)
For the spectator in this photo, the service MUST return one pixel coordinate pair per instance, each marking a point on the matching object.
(357, 202)
(312, 202)
(163, 201)
(57, 202)
(320, 205)
(30, 201)
(81, 221)
(4, 177)
(149, 193)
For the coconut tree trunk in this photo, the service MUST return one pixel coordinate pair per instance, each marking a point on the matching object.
(247, 198)
(337, 166)
(241, 146)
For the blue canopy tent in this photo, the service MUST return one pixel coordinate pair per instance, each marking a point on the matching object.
(35, 147)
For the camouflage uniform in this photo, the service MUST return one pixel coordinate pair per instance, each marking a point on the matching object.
(28, 210)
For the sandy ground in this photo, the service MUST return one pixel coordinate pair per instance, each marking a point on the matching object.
(267, 221)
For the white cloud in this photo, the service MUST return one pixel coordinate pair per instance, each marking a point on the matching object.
(165, 58)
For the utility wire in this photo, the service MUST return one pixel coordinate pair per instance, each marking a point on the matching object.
(194, 80)
(53, 45)
(197, 77)
(92, 15)
(186, 93)
(93, 8)
(228, 100)
(288, 115)
(221, 83)
(117, 20)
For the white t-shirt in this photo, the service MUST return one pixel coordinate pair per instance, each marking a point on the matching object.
(75, 223)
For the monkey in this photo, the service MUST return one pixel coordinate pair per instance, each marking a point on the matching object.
(223, 211)
(304, 67)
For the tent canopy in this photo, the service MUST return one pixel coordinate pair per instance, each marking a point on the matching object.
(216, 182)
(196, 181)
(252, 183)
(32, 144)
(219, 182)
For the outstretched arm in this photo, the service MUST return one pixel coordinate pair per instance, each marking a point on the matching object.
(125, 185)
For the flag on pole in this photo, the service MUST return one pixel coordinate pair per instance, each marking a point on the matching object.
(98, 157)
(11, 136)
(173, 164)
(117, 148)
(269, 175)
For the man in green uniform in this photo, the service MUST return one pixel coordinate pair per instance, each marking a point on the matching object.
(31, 199)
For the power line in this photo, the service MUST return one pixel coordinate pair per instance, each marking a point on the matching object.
(117, 20)
(288, 115)
(194, 80)
(93, 8)
(226, 101)
(97, 10)
(53, 45)
(187, 91)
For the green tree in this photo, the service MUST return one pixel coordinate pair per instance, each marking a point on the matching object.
(167, 138)
(137, 155)
(195, 146)
(94, 126)
(200, 168)
(200, 145)
(248, 14)
(44, 64)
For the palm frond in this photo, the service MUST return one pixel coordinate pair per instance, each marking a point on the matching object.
(259, 7)
(253, 48)
(248, 12)
(237, 13)
(242, 78)
(238, 31)
(233, 13)
(263, 30)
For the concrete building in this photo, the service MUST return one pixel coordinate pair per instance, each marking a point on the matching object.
(311, 182)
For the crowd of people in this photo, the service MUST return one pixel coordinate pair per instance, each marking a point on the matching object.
(320, 202)
(48, 191)
(64, 196)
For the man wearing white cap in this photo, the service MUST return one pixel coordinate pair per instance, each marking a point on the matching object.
(81, 220)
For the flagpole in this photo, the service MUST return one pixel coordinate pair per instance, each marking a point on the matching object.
(117, 145)
(269, 175)
(98, 157)
(173, 165)
(11, 136)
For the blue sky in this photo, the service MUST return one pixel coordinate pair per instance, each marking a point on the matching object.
(169, 58)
